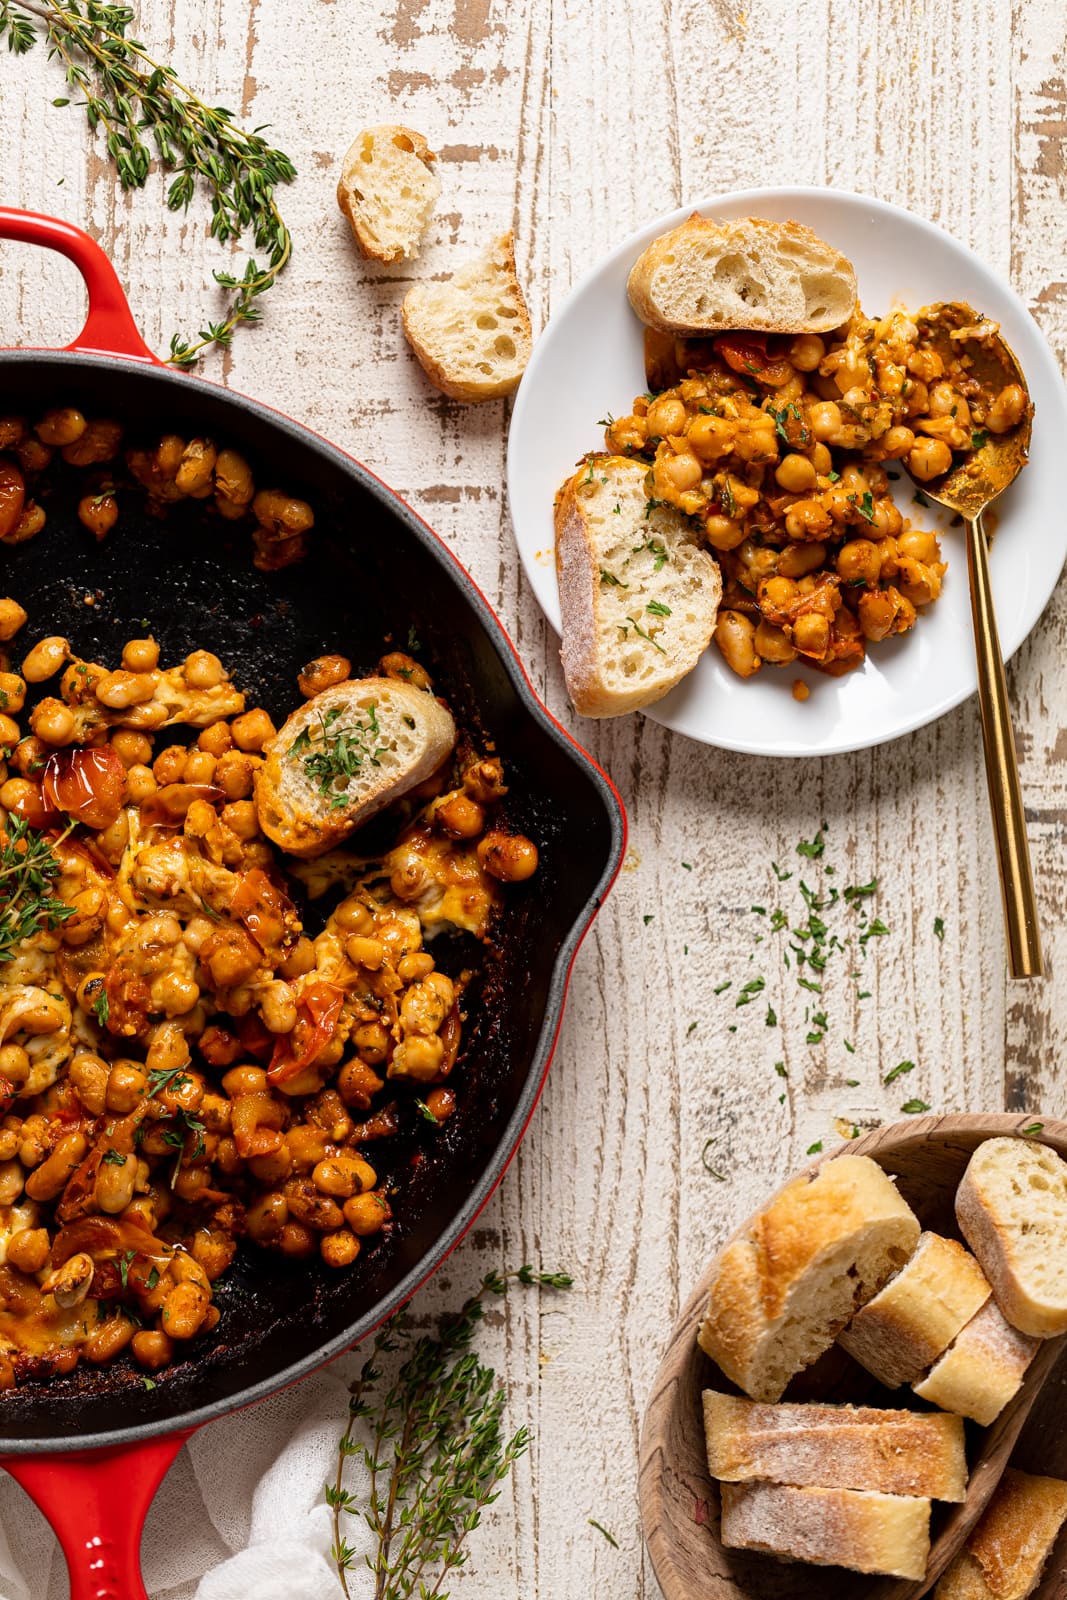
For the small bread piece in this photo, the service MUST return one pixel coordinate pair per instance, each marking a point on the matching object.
(772, 277)
(854, 1528)
(472, 334)
(638, 591)
(1005, 1554)
(789, 1281)
(1012, 1209)
(915, 1318)
(981, 1371)
(344, 756)
(836, 1447)
(387, 190)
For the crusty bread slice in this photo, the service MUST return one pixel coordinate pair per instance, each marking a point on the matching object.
(915, 1318)
(982, 1369)
(773, 277)
(789, 1281)
(638, 592)
(1012, 1209)
(344, 756)
(854, 1528)
(1006, 1551)
(836, 1447)
(387, 190)
(472, 334)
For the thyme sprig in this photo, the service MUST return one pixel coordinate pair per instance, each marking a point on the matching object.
(28, 870)
(437, 1451)
(148, 114)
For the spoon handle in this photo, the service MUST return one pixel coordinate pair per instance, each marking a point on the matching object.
(1002, 768)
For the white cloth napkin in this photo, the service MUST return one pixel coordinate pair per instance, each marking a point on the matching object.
(240, 1513)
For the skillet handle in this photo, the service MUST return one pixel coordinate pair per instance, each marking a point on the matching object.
(96, 1502)
(109, 327)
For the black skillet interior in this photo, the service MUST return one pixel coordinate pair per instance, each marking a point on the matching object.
(374, 574)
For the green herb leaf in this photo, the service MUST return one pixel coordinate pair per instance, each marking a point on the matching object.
(812, 849)
(1031, 1130)
(914, 1107)
(813, 1149)
(898, 1071)
(979, 438)
(939, 928)
(720, 1177)
(112, 1158)
(610, 1537)
(657, 609)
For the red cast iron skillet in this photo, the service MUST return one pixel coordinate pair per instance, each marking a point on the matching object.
(92, 1448)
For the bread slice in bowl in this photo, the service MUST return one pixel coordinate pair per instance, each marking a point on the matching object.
(771, 277)
(638, 591)
(387, 190)
(1012, 1210)
(855, 1528)
(344, 756)
(1005, 1553)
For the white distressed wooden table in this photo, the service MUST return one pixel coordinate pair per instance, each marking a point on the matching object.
(572, 121)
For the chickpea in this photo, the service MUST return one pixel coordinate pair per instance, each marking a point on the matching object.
(126, 1087)
(806, 352)
(152, 1349)
(252, 730)
(184, 1310)
(772, 644)
(417, 1057)
(682, 472)
(399, 665)
(45, 659)
(665, 416)
(795, 474)
(199, 768)
(277, 1007)
(367, 1214)
(60, 426)
(140, 655)
(50, 719)
(339, 1249)
(244, 1080)
(811, 634)
(120, 690)
(301, 958)
(9, 731)
(441, 1103)
(884, 611)
(415, 967)
(372, 1042)
(322, 673)
(216, 740)
(806, 519)
(796, 560)
(202, 670)
(929, 458)
(919, 546)
(460, 817)
(12, 1181)
(343, 1176)
(133, 749)
(509, 857)
(711, 438)
(29, 1250)
(885, 518)
(357, 1084)
(297, 1241)
(777, 593)
(169, 764)
(896, 442)
(925, 364)
(1007, 409)
(281, 514)
(98, 513)
(90, 909)
(140, 783)
(723, 533)
(735, 635)
(174, 994)
(99, 442)
(824, 420)
(12, 617)
(859, 561)
(266, 1217)
(821, 459)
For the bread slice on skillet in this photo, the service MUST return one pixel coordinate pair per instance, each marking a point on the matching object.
(344, 756)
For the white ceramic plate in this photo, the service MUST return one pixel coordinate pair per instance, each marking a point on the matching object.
(589, 361)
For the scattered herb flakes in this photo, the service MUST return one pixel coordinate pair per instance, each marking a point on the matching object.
(919, 498)
(692, 1028)
(814, 1038)
(813, 1149)
(771, 1019)
(852, 1083)
(833, 477)
(759, 911)
(656, 608)
(779, 1067)
(610, 1537)
(812, 849)
(979, 439)
(643, 635)
(720, 1177)
(806, 983)
(1031, 1130)
(898, 1071)
(860, 891)
(149, 1383)
(749, 991)
(778, 873)
(722, 987)
(648, 917)
(779, 920)
(112, 1158)
(864, 994)
(849, 1046)
(939, 928)
(610, 581)
(424, 1111)
(688, 865)
(914, 1107)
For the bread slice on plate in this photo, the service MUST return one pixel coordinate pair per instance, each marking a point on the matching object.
(915, 1318)
(638, 591)
(1006, 1551)
(472, 334)
(344, 756)
(387, 190)
(772, 277)
(982, 1369)
(1012, 1209)
(858, 1529)
(789, 1281)
(836, 1447)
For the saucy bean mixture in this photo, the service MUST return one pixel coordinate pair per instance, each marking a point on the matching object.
(781, 448)
(182, 1064)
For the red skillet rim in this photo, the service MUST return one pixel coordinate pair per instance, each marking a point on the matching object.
(511, 1137)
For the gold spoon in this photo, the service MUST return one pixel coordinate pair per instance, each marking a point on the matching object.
(970, 485)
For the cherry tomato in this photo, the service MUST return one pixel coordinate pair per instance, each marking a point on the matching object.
(317, 1012)
(89, 785)
(266, 911)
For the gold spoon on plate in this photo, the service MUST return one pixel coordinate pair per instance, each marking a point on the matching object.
(968, 488)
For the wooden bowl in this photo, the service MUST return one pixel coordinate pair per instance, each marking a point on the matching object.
(679, 1499)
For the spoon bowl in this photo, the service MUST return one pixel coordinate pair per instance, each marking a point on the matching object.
(680, 1500)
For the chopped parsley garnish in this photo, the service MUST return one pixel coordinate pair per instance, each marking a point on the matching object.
(160, 1078)
(333, 756)
(722, 987)
(610, 581)
(125, 1262)
(914, 1107)
(688, 865)
(771, 1019)
(656, 608)
(424, 1111)
(898, 1071)
(979, 438)
(413, 640)
(692, 1028)
(813, 1149)
(1031, 1130)
(812, 848)
(849, 1046)
(648, 917)
(101, 1007)
(939, 928)
(779, 1067)
(749, 991)
(112, 1158)
(778, 873)
(834, 477)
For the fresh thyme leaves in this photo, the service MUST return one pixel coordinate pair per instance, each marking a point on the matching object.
(642, 634)
(780, 418)
(431, 1437)
(28, 870)
(160, 1078)
(610, 1537)
(148, 115)
(176, 1136)
(125, 1262)
(333, 756)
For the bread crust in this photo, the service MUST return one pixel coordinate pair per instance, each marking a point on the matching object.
(733, 236)
(914, 1319)
(812, 1228)
(836, 1447)
(858, 1529)
(1005, 1554)
(419, 333)
(1000, 1243)
(370, 247)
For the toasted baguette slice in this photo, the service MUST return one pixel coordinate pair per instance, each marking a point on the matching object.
(387, 190)
(787, 1283)
(836, 1447)
(915, 1318)
(854, 1528)
(982, 1369)
(638, 591)
(1012, 1209)
(1006, 1551)
(774, 277)
(389, 737)
(472, 334)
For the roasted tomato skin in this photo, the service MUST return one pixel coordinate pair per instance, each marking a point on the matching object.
(89, 785)
(317, 1012)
